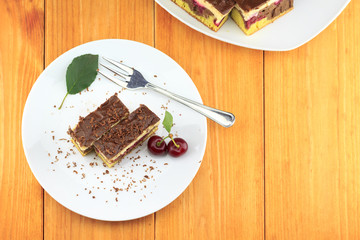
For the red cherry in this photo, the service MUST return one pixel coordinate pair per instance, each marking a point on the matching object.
(153, 145)
(175, 151)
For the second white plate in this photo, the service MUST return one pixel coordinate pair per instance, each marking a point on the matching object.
(303, 23)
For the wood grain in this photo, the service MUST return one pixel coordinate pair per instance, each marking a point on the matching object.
(225, 200)
(312, 136)
(68, 24)
(21, 61)
(305, 126)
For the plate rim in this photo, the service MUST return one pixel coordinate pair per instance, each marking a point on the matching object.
(32, 167)
(213, 35)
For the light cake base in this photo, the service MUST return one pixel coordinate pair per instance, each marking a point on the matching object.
(237, 17)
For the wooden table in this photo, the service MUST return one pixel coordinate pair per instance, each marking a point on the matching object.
(288, 169)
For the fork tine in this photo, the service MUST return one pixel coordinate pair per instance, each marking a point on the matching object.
(119, 82)
(122, 75)
(122, 66)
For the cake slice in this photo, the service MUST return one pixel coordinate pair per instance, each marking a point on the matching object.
(252, 15)
(97, 123)
(212, 13)
(127, 135)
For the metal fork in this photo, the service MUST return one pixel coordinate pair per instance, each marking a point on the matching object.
(133, 80)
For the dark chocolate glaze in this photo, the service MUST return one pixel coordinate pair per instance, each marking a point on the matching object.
(94, 125)
(248, 5)
(223, 6)
(120, 136)
(141, 140)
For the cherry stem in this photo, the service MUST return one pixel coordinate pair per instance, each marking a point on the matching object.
(159, 143)
(176, 145)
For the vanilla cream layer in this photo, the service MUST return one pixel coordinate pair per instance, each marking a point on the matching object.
(149, 129)
(254, 12)
(218, 15)
(80, 147)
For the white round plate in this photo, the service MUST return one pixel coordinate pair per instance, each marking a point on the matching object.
(141, 183)
(303, 23)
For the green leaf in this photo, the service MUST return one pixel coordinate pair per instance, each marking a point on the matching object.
(168, 121)
(81, 73)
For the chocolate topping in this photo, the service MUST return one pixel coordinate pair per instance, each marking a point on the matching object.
(248, 5)
(123, 134)
(141, 140)
(94, 125)
(223, 6)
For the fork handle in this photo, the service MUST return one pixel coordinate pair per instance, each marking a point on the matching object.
(223, 118)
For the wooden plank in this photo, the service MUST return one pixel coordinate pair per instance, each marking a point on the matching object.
(349, 119)
(225, 200)
(61, 223)
(312, 136)
(68, 24)
(21, 62)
